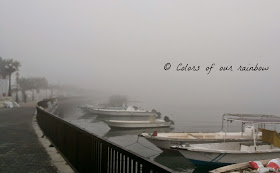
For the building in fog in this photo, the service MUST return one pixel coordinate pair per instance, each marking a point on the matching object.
(4, 86)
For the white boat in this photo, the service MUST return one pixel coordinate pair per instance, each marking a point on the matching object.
(227, 153)
(137, 124)
(130, 111)
(166, 140)
(236, 152)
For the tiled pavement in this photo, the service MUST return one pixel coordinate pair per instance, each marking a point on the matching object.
(20, 149)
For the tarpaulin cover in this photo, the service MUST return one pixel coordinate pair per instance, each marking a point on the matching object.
(271, 137)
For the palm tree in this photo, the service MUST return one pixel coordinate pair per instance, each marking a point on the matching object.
(2, 67)
(7, 68)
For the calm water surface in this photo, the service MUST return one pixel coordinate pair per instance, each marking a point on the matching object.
(185, 118)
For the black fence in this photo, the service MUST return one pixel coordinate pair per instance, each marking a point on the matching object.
(88, 153)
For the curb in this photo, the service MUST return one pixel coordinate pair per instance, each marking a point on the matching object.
(56, 159)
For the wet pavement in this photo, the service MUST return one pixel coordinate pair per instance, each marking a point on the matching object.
(20, 149)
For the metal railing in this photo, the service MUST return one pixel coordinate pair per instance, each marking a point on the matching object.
(87, 152)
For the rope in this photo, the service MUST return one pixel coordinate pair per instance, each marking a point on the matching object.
(137, 141)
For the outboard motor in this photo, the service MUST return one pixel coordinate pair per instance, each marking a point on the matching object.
(167, 119)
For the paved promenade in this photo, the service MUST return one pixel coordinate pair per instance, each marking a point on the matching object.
(20, 149)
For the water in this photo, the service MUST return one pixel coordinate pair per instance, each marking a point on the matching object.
(186, 118)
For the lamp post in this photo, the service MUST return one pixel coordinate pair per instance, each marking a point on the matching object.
(17, 75)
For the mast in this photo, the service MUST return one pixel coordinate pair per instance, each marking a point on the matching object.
(254, 136)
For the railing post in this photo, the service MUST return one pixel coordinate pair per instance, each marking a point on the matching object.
(145, 169)
(104, 158)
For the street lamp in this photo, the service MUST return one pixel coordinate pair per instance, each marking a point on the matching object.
(17, 75)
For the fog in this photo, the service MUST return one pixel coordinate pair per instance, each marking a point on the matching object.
(121, 47)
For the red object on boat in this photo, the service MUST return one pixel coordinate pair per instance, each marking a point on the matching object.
(274, 163)
(255, 164)
(154, 133)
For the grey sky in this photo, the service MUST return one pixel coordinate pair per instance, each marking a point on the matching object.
(122, 46)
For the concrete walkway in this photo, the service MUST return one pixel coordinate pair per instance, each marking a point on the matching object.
(20, 149)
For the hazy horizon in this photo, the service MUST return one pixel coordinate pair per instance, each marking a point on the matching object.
(122, 47)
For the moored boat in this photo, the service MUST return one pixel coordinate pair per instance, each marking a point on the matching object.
(236, 152)
(227, 153)
(137, 124)
(166, 140)
(130, 111)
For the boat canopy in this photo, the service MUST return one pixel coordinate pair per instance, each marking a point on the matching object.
(252, 118)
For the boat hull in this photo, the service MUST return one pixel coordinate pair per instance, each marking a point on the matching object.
(165, 140)
(121, 125)
(206, 158)
(166, 144)
(123, 118)
(123, 113)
